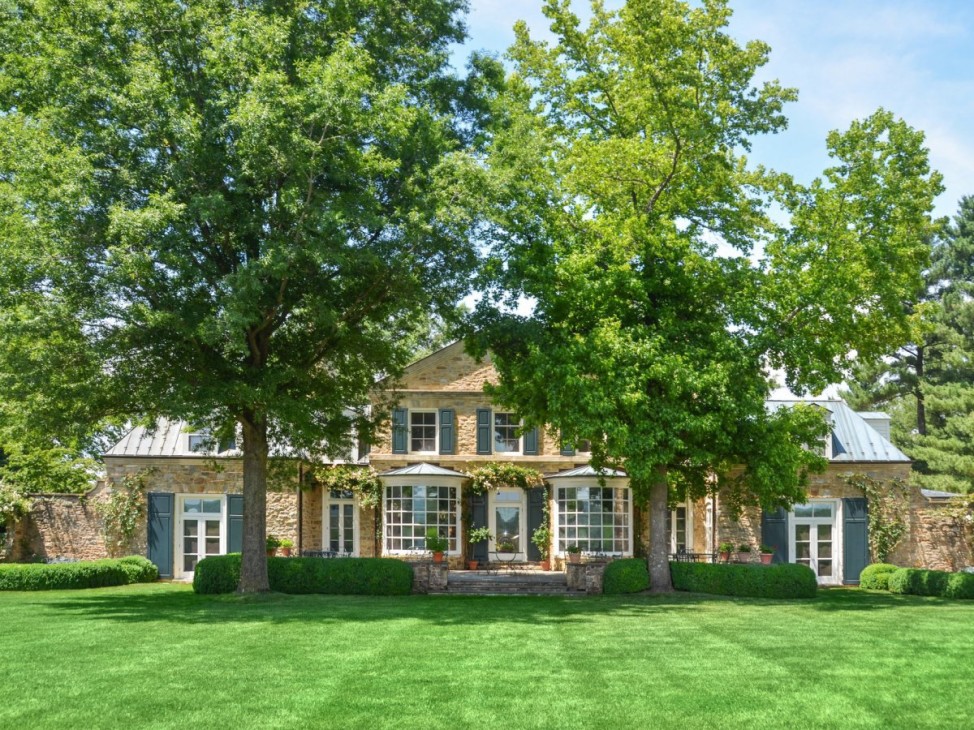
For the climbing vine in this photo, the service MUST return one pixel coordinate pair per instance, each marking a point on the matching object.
(124, 511)
(888, 505)
(960, 510)
(495, 475)
(362, 480)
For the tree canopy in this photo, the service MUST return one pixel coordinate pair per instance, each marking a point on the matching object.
(667, 274)
(236, 213)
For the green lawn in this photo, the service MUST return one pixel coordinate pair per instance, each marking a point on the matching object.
(160, 656)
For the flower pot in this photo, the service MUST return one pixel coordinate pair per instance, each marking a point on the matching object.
(437, 557)
(766, 558)
(546, 565)
(574, 557)
(742, 557)
(286, 552)
(472, 564)
(724, 557)
(271, 552)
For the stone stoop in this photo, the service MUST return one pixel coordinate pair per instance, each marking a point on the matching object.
(519, 583)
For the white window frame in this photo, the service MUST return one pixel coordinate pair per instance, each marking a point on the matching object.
(422, 482)
(556, 515)
(518, 425)
(180, 504)
(836, 523)
(436, 430)
(327, 501)
(523, 538)
(689, 526)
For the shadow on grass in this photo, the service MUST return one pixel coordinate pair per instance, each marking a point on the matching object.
(158, 604)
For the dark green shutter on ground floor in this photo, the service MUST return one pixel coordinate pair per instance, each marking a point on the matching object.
(160, 531)
(855, 539)
(234, 523)
(478, 518)
(535, 518)
(774, 532)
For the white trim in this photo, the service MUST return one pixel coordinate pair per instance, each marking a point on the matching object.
(180, 515)
(836, 522)
(422, 481)
(522, 505)
(689, 526)
(326, 502)
(436, 430)
(518, 428)
(610, 483)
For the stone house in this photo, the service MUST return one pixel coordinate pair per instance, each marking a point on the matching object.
(443, 427)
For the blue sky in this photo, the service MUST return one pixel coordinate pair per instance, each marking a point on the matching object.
(847, 58)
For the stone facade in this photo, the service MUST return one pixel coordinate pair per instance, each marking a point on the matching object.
(66, 526)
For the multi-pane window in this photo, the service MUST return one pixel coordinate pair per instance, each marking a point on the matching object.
(340, 522)
(597, 519)
(422, 431)
(202, 536)
(411, 511)
(677, 535)
(506, 439)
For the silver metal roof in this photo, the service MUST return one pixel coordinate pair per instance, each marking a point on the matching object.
(853, 439)
(168, 438)
(423, 470)
(585, 471)
(937, 494)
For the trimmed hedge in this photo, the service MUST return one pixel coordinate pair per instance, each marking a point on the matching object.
(918, 582)
(625, 576)
(345, 576)
(875, 577)
(85, 574)
(754, 581)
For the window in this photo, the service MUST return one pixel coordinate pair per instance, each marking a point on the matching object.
(412, 510)
(597, 519)
(203, 532)
(506, 440)
(813, 539)
(228, 443)
(679, 529)
(341, 522)
(198, 442)
(422, 431)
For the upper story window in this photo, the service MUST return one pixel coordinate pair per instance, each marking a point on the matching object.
(422, 431)
(506, 440)
(198, 442)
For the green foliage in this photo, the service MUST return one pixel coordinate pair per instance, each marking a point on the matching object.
(499, 475)
(123, 513)
(14, 504)
(918, 582)
(348, 576)
(232, 213)
(628, 575)
(757, 581)
(875, 577)
(479, 534)
(888, 509)
(622, 157)
(272, 542)
(435, 543)
(362, 480)
(87, 574)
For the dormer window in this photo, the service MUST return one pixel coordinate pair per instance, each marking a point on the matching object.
(198, 442)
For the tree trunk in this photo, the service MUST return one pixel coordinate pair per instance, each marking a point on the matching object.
(253, 567)
(659, 563)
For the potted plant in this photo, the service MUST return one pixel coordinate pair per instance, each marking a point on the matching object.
(436, 544)
(286, 547)
(767, 552)
(724, 550)
(743, 553)
(541, 538)
(477, 534)
(506, 544)
(574, 553)
(272, 545)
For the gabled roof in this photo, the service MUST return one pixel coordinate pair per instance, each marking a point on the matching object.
(585, 471)
(853, 439)
(423, 470)
(168, 438)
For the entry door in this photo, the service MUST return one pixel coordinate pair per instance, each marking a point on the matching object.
(201, 533)
(508, 521)
(813, 538)
(341, 522)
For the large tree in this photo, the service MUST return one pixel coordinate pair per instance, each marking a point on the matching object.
(666, 274)
(234, 212)
(928, 384)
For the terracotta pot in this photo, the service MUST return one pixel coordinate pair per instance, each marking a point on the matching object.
(271, 552)
(574, 557)
(472, 564)
(286, 552)
(766, 558)
(546, 565)
(437, 557)
(724, 557)
(742, 557)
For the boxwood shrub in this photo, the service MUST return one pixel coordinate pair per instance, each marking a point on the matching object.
(754, 581)
(347, 576)
(918, 582)
(85, 574)
(625, 576)
(875, 577)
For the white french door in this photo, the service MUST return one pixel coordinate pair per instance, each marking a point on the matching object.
(341, 522)
(201, 532)
(508, 522)
(814, 539)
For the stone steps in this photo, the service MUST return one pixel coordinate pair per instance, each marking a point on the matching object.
(522, 583)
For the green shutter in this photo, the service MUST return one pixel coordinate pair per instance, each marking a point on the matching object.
(400, 434)
(484, 431)
(566, 448)
(448, 419)
(855, 539)
(535, 518)
(774, 532)
(532, 438)
(478, 518)
(160, 531)
(235, 523)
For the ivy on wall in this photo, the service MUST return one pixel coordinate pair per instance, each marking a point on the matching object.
(888, 507)
(497, 475)
(960, 510)
(124, 511)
